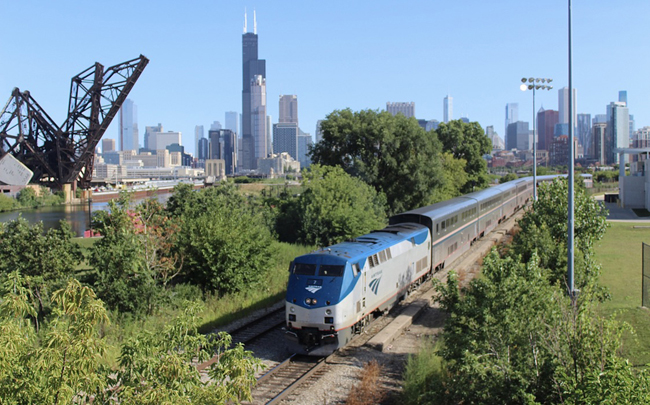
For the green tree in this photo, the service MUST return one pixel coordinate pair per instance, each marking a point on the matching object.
(508, 177)
(154, 366)
(27, 198)
(123, 279)
(467, 141)
(333, 207)
(544, 230)
(45, 259)
(7, 203)
(225, 240)
(453, 180)
(393, 154)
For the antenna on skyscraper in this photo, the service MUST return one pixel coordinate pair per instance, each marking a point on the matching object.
(245, 21)
(254, 23)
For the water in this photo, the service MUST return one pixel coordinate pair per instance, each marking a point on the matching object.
(76, 215)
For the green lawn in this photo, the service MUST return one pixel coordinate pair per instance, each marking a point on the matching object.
(620, 255)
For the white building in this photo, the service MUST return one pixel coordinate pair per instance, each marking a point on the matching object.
(161, 140)
(407, 109)
(258, 116)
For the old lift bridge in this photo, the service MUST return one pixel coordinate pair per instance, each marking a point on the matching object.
(64, 154)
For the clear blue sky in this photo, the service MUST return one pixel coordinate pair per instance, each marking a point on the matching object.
(333, 55)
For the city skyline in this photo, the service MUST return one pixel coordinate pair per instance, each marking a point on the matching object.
(475, 52)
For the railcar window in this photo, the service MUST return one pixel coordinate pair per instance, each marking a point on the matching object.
(303, 269)
(382, 256)
(388, 254)
(331, 270)
(371, 261)
(355, 269)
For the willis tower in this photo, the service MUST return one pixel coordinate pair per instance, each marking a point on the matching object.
(251, 67)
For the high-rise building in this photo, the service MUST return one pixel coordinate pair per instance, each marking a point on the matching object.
(269, 135)
(563, 106)
(216, 125)
(204, 147)
(147, 134)
(223, 146)
(161, 140)
(258, 119)
(583, 132)
(598, 138)
(108, 145)
(448, 109)
(232, 122)
(288, 110)
(304, 140)
(129, 126)
(512, 115)
(497, 142)
(599, 118)
(407, 109)
(252, 67)
(546, 120)
(319, 132)
(518, 136)
(617, 134)
(198, 134)
(285, 138)
(622, 96)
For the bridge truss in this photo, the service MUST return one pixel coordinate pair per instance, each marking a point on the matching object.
(63, 154)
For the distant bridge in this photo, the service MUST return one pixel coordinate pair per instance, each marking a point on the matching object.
(64, 154)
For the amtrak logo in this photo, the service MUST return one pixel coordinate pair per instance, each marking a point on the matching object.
(374, 285)
(313, 288)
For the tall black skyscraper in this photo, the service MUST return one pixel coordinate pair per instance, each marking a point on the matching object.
(251, 66)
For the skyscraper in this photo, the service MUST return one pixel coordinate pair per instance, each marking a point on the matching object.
(622, 96)
(448, 109)
(108, 145)
(512, 115)
(129, 126)
(258, 119)
(288, 110)
(563, 106)
(147, 134)
(319, 132)
(232, 122)
(546, 120)
(251, 67)
(583, 132)
(408, 109)
(518, 136)
(617, 133)
(285, 138)
(198, 134)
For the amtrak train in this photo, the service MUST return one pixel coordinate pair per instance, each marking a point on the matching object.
(333, 292)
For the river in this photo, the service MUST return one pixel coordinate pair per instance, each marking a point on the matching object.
(76, 215)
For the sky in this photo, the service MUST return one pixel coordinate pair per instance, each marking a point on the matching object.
(333, 55)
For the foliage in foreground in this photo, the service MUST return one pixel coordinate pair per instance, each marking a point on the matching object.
(64, 364)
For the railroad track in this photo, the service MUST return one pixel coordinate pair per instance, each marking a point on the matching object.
(251, 331)
(282, 380)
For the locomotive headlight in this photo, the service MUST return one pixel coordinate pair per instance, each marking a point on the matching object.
(292, 309)
(308, 301)
(328, 311)
(313, 301)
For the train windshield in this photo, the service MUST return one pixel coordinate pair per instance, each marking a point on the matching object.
(331, 270)
(303, 269)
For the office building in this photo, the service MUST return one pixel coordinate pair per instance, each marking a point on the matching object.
(546, 120)
(204, 145)
(622, 97)
(108, 145)
(583, 132)
(304, 142)
(448, 109)
(563, 106)
(518, 136)
(288, 110)
(512, 115)
(598, 138)
(253, 74)
(216, 125)
(278, 164)
(258, 122)
(129, 126)
(198, 134)
(497, 142)
(223, 146)
(147, 133)
(407, 109)
(161, 140)
(269, 135)
(285, 139)
(232, 122)
(599, 118)
(319, 132)
(618, 127)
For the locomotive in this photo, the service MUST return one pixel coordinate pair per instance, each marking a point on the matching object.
(333, 292)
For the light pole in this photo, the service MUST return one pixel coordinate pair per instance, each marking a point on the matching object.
(534, 84)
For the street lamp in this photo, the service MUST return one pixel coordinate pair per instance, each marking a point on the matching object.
(533, 83)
